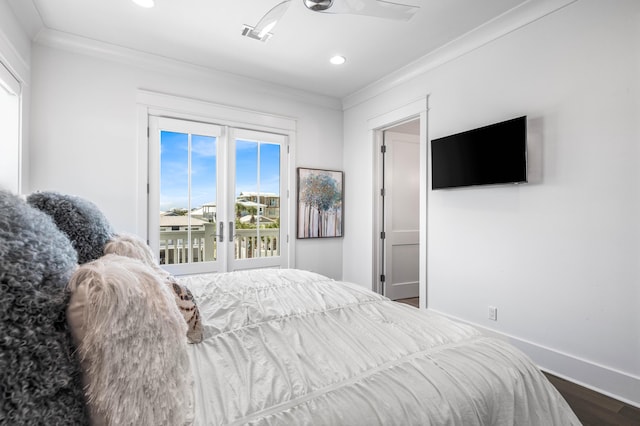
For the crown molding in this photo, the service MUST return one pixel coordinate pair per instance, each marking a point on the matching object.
(512, 20)
(13, 61)
(135, 58)
(28, 15)
(15, 45)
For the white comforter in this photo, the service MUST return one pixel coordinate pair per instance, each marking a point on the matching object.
(290, 347)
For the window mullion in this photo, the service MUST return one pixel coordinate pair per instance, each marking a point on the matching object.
(259, 192)
(189, 242)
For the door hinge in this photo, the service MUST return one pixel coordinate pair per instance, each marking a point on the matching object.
(383, 149)
(148, 132)
(147, 189)
(382, 192)
(383, 235)
(382, 278)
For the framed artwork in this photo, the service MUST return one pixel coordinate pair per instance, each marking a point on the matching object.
(320, 203)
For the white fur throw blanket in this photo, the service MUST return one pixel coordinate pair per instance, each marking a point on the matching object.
(131, 340)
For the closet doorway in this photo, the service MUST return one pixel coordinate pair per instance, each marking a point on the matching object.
(381, 126)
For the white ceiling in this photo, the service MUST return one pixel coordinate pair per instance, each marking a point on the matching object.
(207, 33)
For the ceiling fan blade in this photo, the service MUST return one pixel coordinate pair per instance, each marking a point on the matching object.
(380, 8)
(262, 30)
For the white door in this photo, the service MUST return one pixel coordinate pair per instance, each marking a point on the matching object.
(214, 197)
(401, 215)
(257, 166)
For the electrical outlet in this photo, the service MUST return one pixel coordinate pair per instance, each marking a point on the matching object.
(493, 313)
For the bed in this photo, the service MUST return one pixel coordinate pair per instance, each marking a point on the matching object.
(94, 332)
(294, 347)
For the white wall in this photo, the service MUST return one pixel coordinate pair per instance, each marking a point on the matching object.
(559, 257)
(84, 126)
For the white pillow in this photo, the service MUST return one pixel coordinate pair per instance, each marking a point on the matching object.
(130, 245)
(131, 341)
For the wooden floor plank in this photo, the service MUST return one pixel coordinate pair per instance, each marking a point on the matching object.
(593, 408)
(631, 413)
(588, 395)
(413, 301)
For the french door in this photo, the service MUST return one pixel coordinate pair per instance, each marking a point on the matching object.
(215, 199)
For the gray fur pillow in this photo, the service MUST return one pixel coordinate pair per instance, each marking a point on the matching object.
(80, 219)
(40, 378)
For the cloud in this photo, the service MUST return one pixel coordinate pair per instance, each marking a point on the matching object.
(203, 147)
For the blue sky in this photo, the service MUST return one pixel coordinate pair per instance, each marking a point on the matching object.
(174, 171)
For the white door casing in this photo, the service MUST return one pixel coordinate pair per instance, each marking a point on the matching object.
(394, 116)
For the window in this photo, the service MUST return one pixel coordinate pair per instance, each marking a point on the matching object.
(10, 159)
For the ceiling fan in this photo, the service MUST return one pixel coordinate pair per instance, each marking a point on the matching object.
(380, 8)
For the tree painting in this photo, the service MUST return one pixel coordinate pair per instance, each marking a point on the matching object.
(319, 203)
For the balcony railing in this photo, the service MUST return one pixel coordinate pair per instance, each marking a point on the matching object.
(248, 243)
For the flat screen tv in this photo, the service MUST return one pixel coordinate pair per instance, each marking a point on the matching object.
(493, 154)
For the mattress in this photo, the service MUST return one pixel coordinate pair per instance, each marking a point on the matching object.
(291, 347)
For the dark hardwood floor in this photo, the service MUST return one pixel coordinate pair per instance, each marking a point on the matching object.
(591, 407)
(413, 301)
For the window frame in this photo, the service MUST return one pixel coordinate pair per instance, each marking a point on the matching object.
(11, 136)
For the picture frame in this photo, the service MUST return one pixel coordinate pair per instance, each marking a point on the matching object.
(320, 203)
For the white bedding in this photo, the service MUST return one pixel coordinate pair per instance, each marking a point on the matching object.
(290, 347)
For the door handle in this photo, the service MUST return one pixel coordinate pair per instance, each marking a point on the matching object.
(221, 233)
(231, 234)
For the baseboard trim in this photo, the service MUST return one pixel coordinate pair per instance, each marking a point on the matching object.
(613, 383)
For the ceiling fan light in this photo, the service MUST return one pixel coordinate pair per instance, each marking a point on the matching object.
(338, 60)
(318, 5)
(144, 3)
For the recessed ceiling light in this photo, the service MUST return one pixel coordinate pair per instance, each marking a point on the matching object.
(144, 3)
(338, 60)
